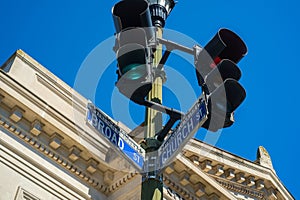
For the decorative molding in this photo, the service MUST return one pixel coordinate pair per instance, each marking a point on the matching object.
(240, 177)
(172, 194)
(117, 184)
(226, 157)
(36, 127)
(213, 196)
(186, 194)
(32, 135)
(184, 178)
(229, 174)
(64, 162)
(74, 153)
(92, 165)
(236, 182)
(55, 141)
(240, 188)
(259, 184)
(218, 170)
(16, 114)
(206, 165)
(195, 159)
(200, 189)
(250, 181)
(194, 178)
(49, 153)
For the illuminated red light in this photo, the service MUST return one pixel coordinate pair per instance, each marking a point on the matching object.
(217, 60)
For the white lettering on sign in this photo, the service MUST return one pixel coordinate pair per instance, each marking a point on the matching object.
(108, 132)
(183, 132)
(117, 136)
(174, 144)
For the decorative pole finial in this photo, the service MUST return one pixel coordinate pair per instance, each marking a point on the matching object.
(160, 10)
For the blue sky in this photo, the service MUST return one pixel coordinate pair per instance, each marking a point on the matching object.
(67, 36)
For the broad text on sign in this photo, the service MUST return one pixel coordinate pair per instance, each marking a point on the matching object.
(117, 136)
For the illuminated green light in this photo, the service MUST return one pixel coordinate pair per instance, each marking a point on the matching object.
(134, 71)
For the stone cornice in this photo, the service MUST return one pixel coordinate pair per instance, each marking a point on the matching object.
(180, 178)
(207, 150)
(66, 163)
(205, 177)
(187, 180)
(263, 177)
(240, 188)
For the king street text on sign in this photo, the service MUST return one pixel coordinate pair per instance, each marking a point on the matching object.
(118, 137)
(191, 122)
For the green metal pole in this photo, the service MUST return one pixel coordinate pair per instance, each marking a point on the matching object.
(152, 184)
(153, 117)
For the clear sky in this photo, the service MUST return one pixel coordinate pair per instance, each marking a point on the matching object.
(69, 37)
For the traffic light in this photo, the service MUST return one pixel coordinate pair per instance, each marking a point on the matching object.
(134, 30)
(218, 75)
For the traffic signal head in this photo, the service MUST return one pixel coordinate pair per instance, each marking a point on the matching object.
(218, 75)
(134, 29)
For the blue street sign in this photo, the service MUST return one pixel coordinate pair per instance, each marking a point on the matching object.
(116, 136)
(190, 123)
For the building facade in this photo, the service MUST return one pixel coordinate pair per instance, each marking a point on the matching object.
(47, 151)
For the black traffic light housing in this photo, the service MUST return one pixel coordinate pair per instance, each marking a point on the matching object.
(135, 76)
(134, 30)
(218, 75)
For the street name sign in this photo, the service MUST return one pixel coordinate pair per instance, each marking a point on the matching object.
(116, 136)
(184, 131)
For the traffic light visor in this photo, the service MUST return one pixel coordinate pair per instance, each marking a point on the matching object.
(130, 14)
(226, 45)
